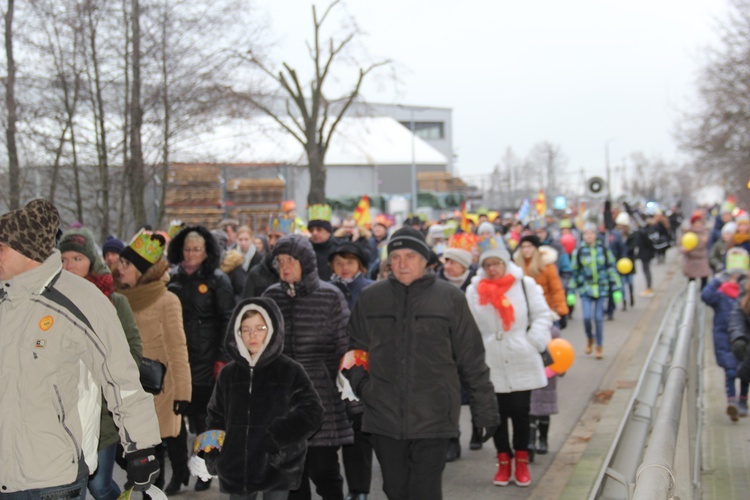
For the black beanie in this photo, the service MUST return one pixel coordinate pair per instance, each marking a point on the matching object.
(351, 248)
(410, 238)
(531, 238)
(325, 224)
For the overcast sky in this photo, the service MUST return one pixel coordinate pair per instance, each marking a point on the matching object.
(578, 73)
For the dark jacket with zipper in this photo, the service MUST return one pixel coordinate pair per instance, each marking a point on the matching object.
(423, 344)
(315, 317)
(207, 301)
(268, 400)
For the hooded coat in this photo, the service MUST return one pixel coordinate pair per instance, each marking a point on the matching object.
(207, 303)
(315, 317)
(269, 399)
(719, 296)
(695, 261)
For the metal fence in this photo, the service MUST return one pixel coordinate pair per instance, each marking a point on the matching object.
(640, 463)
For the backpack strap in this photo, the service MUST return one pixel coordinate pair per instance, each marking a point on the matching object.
(528, 310)
(56, 296)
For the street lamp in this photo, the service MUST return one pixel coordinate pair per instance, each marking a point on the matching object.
(413, 167)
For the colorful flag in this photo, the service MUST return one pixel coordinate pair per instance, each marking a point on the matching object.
(362, 212)
(523, 212)
(540, 204)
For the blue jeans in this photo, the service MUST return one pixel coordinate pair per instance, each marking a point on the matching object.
(597, 305)
(730, 376)
(101, 484)
(73, 491)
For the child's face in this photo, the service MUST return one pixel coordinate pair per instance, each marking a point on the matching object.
(253, 331)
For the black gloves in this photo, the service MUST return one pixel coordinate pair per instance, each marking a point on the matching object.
(143, 469)
(739, 347)
(180, 407)
(269, 444)
(486, 433)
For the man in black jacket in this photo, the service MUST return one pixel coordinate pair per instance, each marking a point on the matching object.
(422, 345)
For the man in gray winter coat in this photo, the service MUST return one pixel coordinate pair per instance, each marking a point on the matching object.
(422, 345)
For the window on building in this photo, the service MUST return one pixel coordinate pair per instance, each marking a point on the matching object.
(427, 130)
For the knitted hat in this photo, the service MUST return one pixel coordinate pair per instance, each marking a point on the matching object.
(112, 245)
(81, 241)
(144, 250)
(458, 255)
(486, 227)
(696, 217)
(742, 217)
(531, 238)
(622, 219)
(409, 238)
(499, 253)
(319, 216)
(31, 230)
(729, 228)
(737, 260)
(351, 248)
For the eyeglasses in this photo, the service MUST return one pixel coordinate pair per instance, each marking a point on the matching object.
(254, 332)
(193, 250)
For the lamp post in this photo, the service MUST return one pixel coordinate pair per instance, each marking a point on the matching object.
(413, 167)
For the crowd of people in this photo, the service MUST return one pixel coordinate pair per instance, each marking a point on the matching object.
(252, 326)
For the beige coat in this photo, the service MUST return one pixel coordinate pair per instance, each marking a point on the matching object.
(158, 314)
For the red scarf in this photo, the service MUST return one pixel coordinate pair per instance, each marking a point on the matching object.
(493, 292)
(103, 282)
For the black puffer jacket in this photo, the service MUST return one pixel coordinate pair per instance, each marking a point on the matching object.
(207, 301)
(271, 398)
(260, 277)
(315, 317)
(423, 345)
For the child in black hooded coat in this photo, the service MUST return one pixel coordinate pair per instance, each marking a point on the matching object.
(265, 403)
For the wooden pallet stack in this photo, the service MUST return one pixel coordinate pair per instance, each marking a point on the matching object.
(439, 181)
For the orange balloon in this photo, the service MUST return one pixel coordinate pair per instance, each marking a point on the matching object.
(562, 353)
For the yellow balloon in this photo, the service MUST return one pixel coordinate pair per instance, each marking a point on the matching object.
(689, 240)
(624, 265)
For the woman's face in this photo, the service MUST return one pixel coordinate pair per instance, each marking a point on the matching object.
(128, 273)
(76, 263)
(244, 241)
(527, 250)
(253, 331)
(258, 245)
(494, 268)
(453, 269)
(194, 251)
(345, 267)
(290, 269)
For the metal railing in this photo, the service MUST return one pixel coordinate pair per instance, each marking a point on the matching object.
(640, 461)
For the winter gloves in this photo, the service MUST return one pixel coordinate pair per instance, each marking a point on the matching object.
(142, 469)
(486, 433)
(180, 407)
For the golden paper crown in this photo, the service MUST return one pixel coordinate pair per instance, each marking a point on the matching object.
(148, 245)
(464, 241)
(319, 212)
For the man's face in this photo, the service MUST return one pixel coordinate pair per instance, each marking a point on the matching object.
(348, 226)
(243, 241)
(232, 235)
(379, 231)
(407, 265)
(290, 269)
(272, 238)
(13, 263)
(319, 235)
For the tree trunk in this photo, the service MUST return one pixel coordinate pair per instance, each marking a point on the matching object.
(14, 171)
(137, 174)
(317, 169)
(162, 194)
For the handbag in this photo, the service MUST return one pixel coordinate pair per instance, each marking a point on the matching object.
(152, 375)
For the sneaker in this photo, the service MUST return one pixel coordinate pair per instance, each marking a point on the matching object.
(502, 476)
(589, 346)
(732, 411)
(648, 293)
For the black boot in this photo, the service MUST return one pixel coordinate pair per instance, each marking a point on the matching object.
(176, 483)
(201, 485)
(476, 438)
(454, 450)
(356, 496)
(532, 438)
(543, 430)
(632, 297)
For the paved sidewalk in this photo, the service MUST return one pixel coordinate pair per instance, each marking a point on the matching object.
(726, 444)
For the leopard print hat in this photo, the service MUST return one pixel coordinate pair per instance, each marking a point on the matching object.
(31, 230)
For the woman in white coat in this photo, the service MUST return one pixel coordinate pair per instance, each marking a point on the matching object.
(515, 320)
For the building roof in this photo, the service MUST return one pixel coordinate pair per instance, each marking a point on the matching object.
(356, 141)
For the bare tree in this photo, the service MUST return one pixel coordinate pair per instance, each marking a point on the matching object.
(136, 171)
(717, 134)
(311, 118)
(14, 173)
(549, 163)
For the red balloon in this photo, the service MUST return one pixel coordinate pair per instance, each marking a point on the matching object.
(568, 241)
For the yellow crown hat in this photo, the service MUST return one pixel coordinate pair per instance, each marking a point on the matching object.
(319, 212)
(144, 250)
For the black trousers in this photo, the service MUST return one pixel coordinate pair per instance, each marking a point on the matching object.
(646, 265)
(412, 469)
(322, 467)
(357, 459)
(516, 407)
